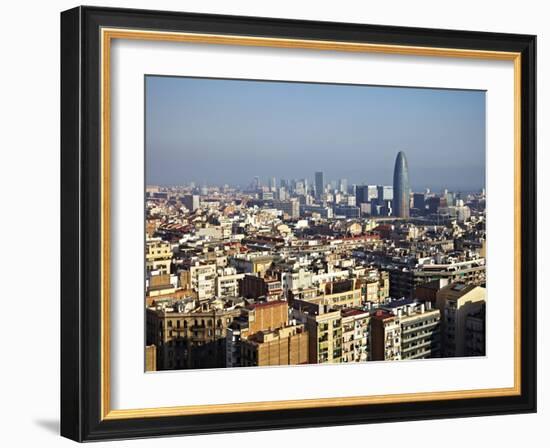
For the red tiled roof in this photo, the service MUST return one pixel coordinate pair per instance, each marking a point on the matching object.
(352, 312)
(382, 314)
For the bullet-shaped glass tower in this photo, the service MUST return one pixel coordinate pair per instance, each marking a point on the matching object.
(401, 186)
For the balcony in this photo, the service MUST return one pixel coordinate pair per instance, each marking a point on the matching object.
(419, 327)
(416, 346)
(420, 336)
(423, 354)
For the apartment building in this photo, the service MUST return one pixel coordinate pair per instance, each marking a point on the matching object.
(338, 294)
(189, 335)
(385, 332)
(203, 280)
(420, 332)
(227, 282)
(355, 335)
(456, 302)
(474, 334)
(405, 279)
(158, 256)
(283, 346)
(324, 328)
(263, 335)
(254, 287)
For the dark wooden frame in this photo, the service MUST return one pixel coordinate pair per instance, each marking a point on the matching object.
(81, 224)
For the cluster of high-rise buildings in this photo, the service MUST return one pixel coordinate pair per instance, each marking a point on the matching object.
(300, 272)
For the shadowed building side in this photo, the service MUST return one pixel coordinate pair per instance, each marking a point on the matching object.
(401, 187)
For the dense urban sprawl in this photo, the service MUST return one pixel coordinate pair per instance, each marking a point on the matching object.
(289, 271)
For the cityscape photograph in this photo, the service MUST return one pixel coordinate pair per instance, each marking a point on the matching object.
(294, 223)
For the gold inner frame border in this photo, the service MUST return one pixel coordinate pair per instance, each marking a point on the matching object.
(107, 35)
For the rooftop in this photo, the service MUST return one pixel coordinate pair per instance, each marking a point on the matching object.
(396, 303)
(382, 314)
(459, 289)
(347, 312)
(272, 303)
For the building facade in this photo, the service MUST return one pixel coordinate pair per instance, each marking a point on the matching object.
(456, 302)
(319, 184)
(191, 202)
(188, 335)
(263, 335)
(227, 282)
(401, 187)
(355, 335)
(385, 332)
(405, 279)
(420, 333)
(474, 336)
(158, 256)
(279, 347)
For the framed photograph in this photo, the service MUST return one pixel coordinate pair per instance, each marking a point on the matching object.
(273, 223)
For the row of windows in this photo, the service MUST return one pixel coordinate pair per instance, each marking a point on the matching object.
(420, 324)
(197, 322)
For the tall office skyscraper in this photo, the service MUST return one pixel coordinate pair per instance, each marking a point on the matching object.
(401, 187)
(419, 201)
(343, 185)
(319, 184)
(385, 193)
(362, 194)
(272, 183)
(255, 183)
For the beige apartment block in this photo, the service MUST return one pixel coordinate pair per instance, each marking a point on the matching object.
(203, 280)
(456, 302)
(266, 316)
(355, 335)
(227, 282)
(325, 336)
(283, 346)
(340, 294)
(158, 256)
(420, 333)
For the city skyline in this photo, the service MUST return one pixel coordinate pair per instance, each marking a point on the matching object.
(318, 180)
(177, 154)
(244, 186)
(303, 275)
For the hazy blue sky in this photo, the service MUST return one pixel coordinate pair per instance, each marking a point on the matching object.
(228, 131)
